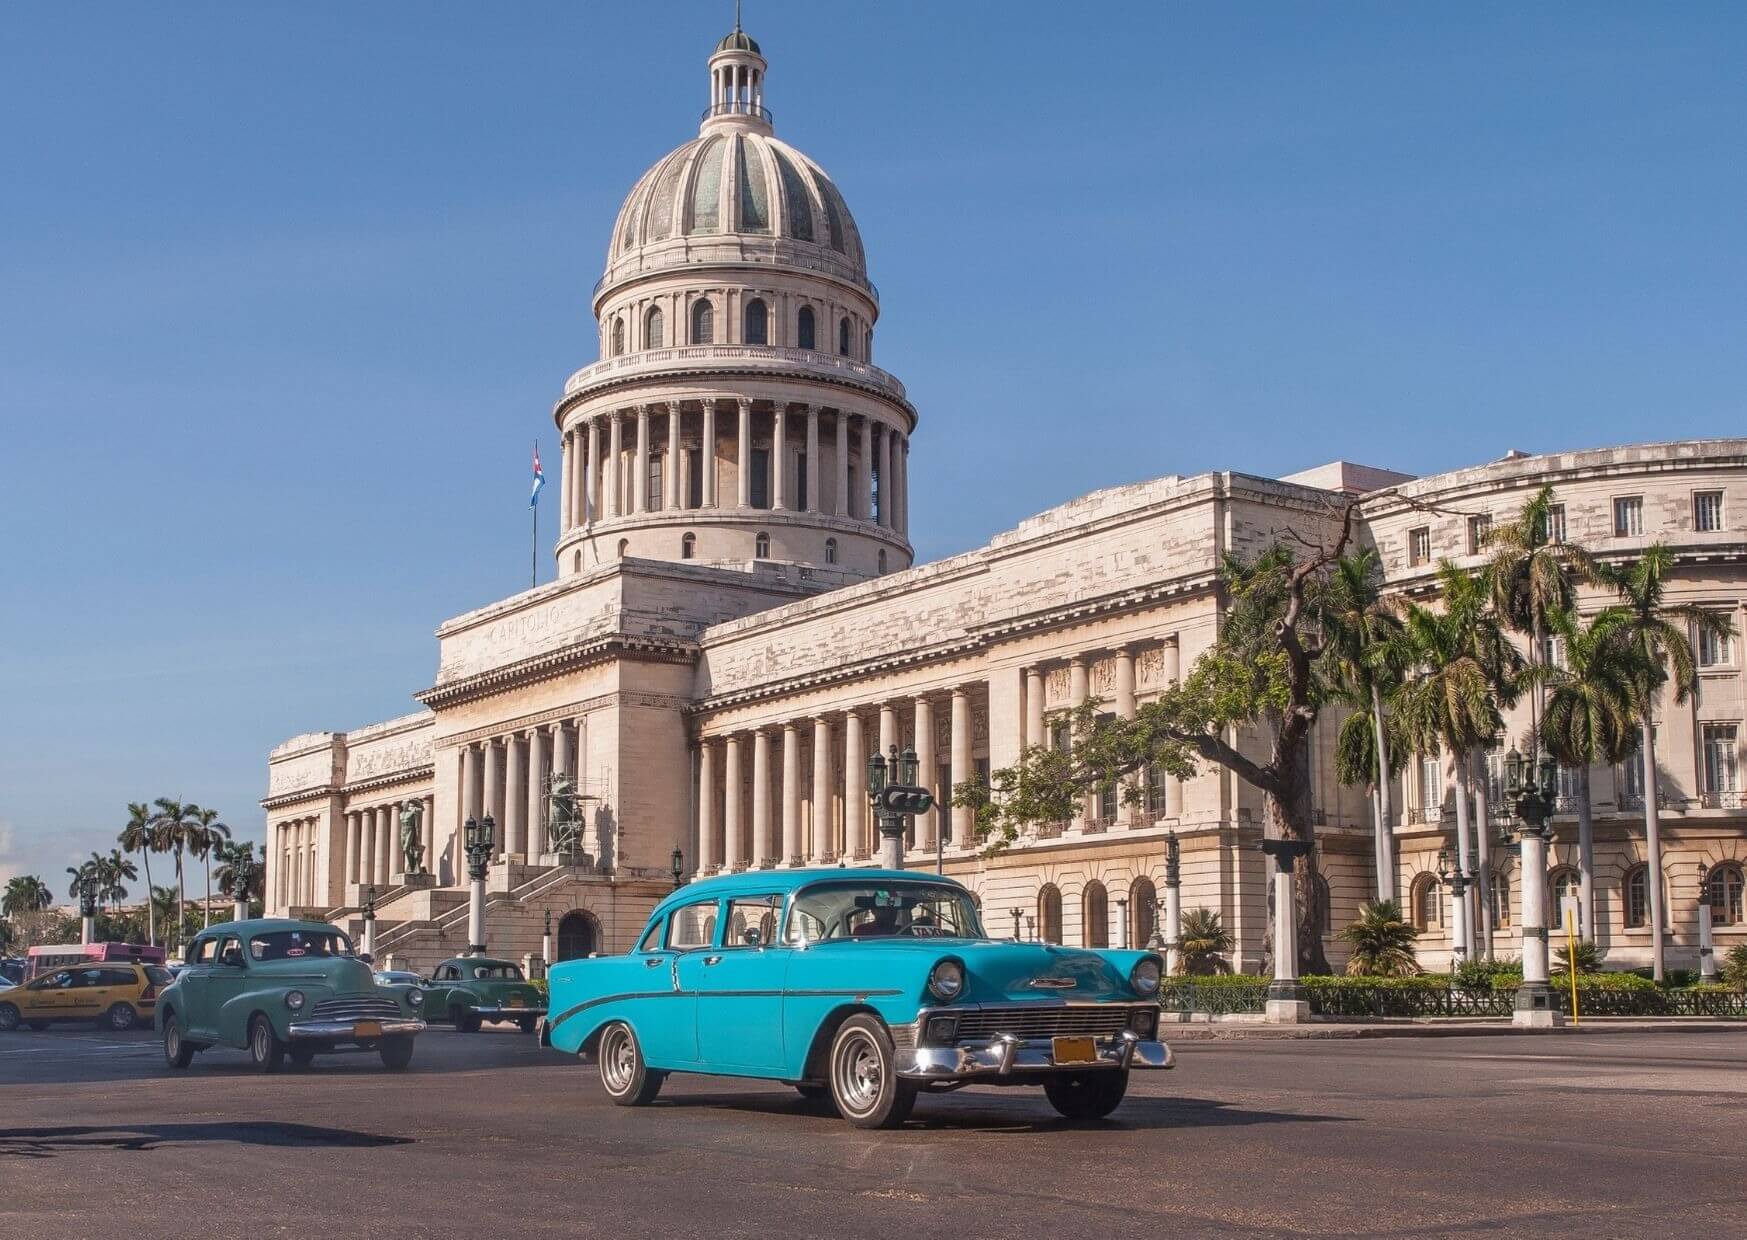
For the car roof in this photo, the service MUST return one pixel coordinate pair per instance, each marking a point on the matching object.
(266, 925)
(478, 960)
(782, 882)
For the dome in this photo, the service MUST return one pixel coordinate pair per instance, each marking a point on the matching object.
(737, 40)
(737, 183)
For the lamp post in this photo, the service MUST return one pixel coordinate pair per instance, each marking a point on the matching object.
(369, 947)
(678, 869)
(1017, 914)
(893, 794)
(243, 871)
(87, 908)
(546, 944)
(479, 836)
(1122, 915)
(1707, 947)
(1286, 1002)
(1529, 789)
(1173, 930)
(1451, 875)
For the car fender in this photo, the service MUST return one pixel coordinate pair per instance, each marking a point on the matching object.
(587, 995)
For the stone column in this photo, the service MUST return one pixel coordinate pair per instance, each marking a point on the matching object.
(824, 833)
(493, 790)
(515, 797)
(709, 854)
(1079, 690)
(1126, 814)
(791, 843)
(428, 834)
(779, 455)
(384, 845)
(568, 465)
(886, 487)
(733, 839)
(561, 748)
(763, 846)
(840, 501)
(536, 792)
(865, 498)
(670, 495)
(352, 832)
(811, 500)
(367, 863)
(591, 487)
(707, 457)
(745, 463)
(928, 771)
(962, 764)
(888, 731)
(613, 479)
(900, 489)
(640, 484)
(1034, 698)
(854, 789)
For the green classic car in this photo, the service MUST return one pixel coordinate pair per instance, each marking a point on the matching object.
(470, 990)
(280, 988)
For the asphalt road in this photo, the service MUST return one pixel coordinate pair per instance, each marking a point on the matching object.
(490, 1136)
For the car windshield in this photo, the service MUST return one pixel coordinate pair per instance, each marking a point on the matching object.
(497, 972)
(298, 945)
(863, 910)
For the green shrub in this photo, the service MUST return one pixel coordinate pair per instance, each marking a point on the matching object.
(1218, 979)
(1588, 958)
(1482, 974)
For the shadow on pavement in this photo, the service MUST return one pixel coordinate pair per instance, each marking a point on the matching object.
(48, 1142)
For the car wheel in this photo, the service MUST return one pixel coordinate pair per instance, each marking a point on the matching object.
(1086, 1095)
(396, 1051)
(266, 1051)
(864, 1081)
(120, 1016)
(466, 1022)
(301, 1056)
(628, 1080)
(178, 1054)
(8, 1018)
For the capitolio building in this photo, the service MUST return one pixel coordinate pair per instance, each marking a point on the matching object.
(737, 624)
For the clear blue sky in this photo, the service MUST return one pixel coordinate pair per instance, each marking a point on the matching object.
(287, 290)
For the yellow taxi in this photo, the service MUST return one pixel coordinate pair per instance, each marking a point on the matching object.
(117, 995)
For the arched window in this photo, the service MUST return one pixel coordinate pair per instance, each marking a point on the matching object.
(1562, 884)
(830, 551)
(1095, 915)
(1049, 914)
(654, 328)
(618, 336)
(757, 322)
(576, 563)
(1427, 906)
(578, 936)
(703, 322)
(1326, 906)
(843, 335)
(1636, 905)
(1143, 912)
(882, 559)
(1723, 894)
(624, 546)
(688, 547)
(806, 335)
(761, 547)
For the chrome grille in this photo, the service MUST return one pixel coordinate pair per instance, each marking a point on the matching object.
(357, 1008)
(1104, 1020)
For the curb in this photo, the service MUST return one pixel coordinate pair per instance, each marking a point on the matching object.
(1313, 1033)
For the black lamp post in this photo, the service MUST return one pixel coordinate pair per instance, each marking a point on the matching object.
(892, 793)
(479, 837)
(369, 945)
(1529, 787)
(88, 906)
(678, 868)
(1017, 914)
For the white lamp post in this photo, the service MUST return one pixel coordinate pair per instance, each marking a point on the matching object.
(479, 836)
(1529, 787)
(1286, 1002)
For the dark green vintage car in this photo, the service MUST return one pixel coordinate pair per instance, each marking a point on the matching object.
(470, 990)
(280, 988)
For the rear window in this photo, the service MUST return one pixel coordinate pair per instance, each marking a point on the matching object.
(120, 977)
(159, 976)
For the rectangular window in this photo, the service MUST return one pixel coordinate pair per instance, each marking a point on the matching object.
(1628, 516)
(1719, 743)
(1714, 649)
(799, 499)
(692, 926)
(1556, 523)
(1419, 545)
(1707, 511)
(761, 477)
(694, 492)
(1157, 781)
(653, 482)
(1477, 531)
(1431, 784)
(1059, 738)
(1553, 652)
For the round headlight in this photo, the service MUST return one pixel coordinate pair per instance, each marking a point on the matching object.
(416, 997)
(946, 980)
(1144, 977)
(294, 1000)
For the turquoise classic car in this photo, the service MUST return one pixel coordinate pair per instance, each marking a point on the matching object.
(861, 987)
(279, 989)
(470, 989)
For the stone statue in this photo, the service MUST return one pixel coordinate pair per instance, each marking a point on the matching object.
(412, 849)
(563, 826)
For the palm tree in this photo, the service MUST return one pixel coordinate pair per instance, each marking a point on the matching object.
(25, 893)
(121, 870)
(1202, 944)
(1464, 669)
(141, 835)
(210, 832)
(1589, 718)
(1655, 632)
(164, 902)
(1362, 639)
(1382, 942)
(177, 830)
(1533, 573)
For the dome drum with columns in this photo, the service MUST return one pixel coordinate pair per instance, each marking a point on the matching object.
(736, 414)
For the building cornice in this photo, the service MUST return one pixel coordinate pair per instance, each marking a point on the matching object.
(558, 663)
(411, 774)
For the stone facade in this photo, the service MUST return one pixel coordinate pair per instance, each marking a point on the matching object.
(719, 655)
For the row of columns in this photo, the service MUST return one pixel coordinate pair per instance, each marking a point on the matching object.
(373, 855)
(597, 490)
(508, 777)
(296, 849)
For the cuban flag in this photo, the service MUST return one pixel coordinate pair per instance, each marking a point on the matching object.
(539, 479)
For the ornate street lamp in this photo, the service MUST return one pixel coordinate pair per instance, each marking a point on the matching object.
(1017, 914)
(369, 946)
(1173, 927)
(893, 795)
(1122, 916)
(479, 838)
(678, 868)
(87, 907)
(1451, 875)
(1529, 787)
(1707, 947)
(546, 944)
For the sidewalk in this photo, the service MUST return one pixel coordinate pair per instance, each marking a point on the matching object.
(1230, 1029)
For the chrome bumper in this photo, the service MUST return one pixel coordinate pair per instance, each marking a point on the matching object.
(506, 1013)
(1009, 1056)
(341, 1030)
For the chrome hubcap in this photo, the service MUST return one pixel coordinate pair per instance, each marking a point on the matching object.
(261, 1042)
(618, 1060)
(860, 1073)
(172, 1040)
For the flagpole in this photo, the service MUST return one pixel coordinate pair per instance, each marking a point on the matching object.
(534, 541)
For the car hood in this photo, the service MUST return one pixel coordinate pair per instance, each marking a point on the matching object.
(1001, 971)
(342, 975)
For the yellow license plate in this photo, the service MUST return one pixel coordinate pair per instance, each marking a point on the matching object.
(513, 1001)
(367, 1029)
(1073, 1050)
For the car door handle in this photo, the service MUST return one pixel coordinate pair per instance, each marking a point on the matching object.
(653, 962)
(712, 960)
